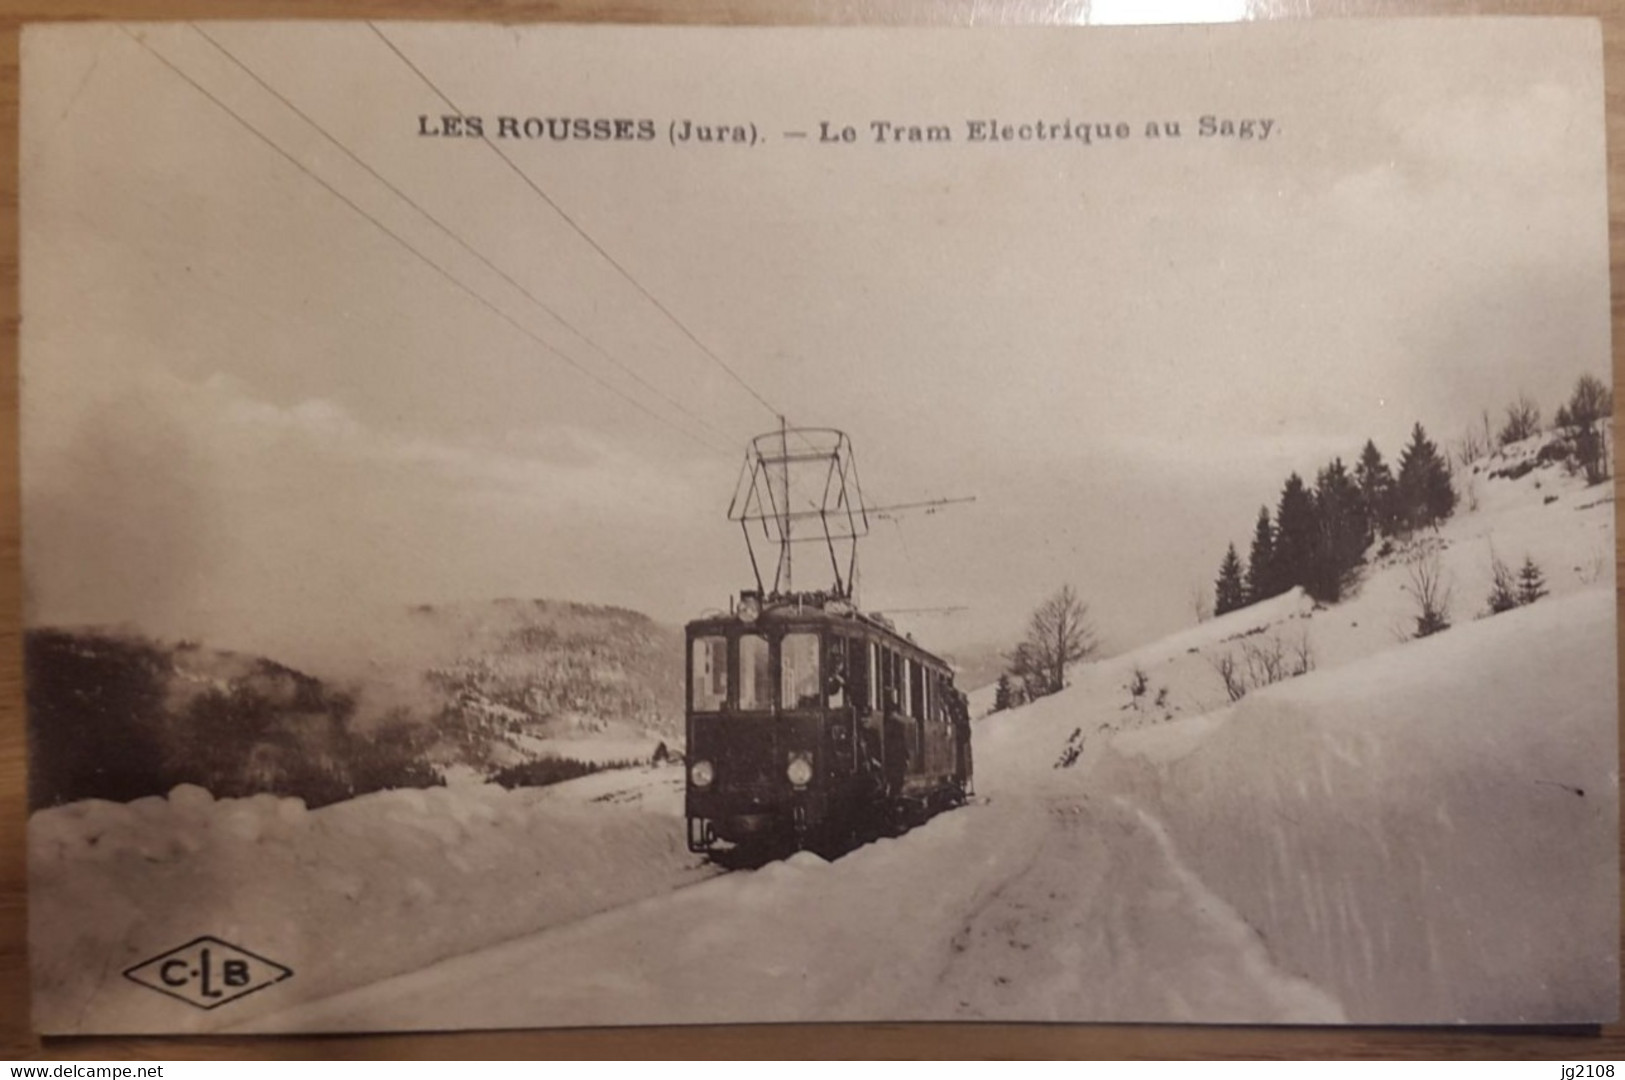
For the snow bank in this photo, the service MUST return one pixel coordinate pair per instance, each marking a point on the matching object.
(1430, 834)
(344, 895)
(798, 940)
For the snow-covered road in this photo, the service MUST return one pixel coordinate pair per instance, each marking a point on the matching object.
(1106, 923)
(1012, 908)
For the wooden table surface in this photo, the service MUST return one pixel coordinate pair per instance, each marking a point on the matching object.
(804, 1040)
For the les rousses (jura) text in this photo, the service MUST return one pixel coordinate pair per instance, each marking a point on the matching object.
(992, 129)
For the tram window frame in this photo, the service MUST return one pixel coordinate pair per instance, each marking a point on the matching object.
(876, 677)
(714, 700)
(791, 698)
(905, 681)
(837, 672)
(890, 698)
(857, 672)
(760, 679)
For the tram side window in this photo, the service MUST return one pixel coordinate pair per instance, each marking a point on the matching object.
(710, 677)
(755, 677)
(798, 671)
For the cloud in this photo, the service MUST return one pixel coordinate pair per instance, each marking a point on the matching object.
(203, 508)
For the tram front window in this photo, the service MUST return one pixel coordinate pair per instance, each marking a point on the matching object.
(798, 671)
(755, 677)
(710, 676)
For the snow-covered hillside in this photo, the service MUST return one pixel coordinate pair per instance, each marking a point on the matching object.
(344, 895)
(1419, 831)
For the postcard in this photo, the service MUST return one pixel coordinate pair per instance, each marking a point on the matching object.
(577, 525)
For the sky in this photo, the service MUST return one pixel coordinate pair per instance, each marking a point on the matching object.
(252, 414)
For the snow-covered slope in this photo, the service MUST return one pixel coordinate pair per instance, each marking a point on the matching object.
(1430, 834)
(344, 895)
(1564, 525)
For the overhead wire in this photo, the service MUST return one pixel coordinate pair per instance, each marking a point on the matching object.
(393, 235)
(582, 232)
(451, 234)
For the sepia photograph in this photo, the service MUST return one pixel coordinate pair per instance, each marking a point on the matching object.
(570, 526)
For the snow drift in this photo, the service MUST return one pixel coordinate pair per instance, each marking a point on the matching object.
(1430, 834)
(344, 895)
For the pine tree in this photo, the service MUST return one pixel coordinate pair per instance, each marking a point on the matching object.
(1230, 591)
(1261, 560)
(1296, 535)
(1531, 582)
(1424, 494)
(1376, 485)
(1001, 694)
(1342, 536)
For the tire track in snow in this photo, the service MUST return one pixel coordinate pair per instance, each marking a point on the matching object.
(1106, 923)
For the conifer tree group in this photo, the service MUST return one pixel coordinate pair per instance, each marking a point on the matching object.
(1319, 535)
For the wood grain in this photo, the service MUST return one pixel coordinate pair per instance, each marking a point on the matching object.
(804, 1040)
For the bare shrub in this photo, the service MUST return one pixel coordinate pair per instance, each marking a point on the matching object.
(1303, 655)
(1235, 683)
(1138, 684)
(1503, 586)
(1426, 585)
(1263, 662)
(1522, 422)
(1266, 661)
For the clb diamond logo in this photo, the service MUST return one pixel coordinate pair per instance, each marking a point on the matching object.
(208, 973)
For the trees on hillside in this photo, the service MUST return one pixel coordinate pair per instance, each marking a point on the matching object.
(1295, 535)
(1230, 590)
(1376, 484)
(1319, 535)
(1580, 419)
(1423, 490)
(1343, 533)
(1261, 583)
(1059, 634)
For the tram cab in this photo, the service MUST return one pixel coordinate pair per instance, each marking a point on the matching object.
(809, 723)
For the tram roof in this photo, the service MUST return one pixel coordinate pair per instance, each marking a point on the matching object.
(809, 610)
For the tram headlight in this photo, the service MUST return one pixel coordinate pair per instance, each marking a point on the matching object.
(701, 773)
(800, 770)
